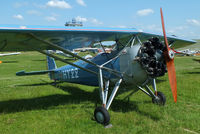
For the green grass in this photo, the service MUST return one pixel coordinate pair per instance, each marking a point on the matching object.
(31, 104)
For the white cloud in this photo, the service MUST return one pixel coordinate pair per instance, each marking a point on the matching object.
(51, 18)
(154, 27)
(23, 27)
(81, 2)
(140, 30)
(20, 4)
(193, 22)
(119, 26)
(18, 16)
(145, 12)
(81, 19)
(33, 12)
(96, 22)
(58, 4)
(122, 26)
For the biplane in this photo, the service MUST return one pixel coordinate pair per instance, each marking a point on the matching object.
(136, 60)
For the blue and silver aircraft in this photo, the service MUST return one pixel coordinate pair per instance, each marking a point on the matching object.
(137, 59)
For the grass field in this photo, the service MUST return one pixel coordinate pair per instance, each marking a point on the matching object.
(33, 105)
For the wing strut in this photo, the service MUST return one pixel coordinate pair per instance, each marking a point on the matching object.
(62, 49)
(70, 63)
(118, 74)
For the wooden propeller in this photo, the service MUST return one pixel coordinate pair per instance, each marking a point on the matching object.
(169, 58)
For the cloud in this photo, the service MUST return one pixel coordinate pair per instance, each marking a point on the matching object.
(155, 28)
(33, 12)
(119, 26)
(145, 12)
(20, 4)
(81, 2)
(81, 19)
(22, 27)
(18, 16)
(58, 4)
(96, 22)
(51, 18)
(193, 22)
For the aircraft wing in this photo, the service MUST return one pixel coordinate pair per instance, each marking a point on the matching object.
(15, 38)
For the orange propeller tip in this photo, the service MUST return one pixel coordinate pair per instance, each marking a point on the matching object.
(0, 62)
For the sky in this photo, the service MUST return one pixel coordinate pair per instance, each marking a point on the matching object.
(182, 17)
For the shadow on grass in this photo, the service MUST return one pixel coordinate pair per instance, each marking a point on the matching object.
(10, 61)
(40, 60)
(160, 81)
(197, 60)
(40, 84)
(75, 96)
(127, 106)
(193, 73)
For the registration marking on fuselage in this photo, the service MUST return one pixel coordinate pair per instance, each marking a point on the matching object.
(70, 73)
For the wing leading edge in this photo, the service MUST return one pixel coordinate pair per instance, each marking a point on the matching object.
(26, 39)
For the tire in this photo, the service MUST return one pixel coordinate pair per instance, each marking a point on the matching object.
(102, 116)
(161, 100)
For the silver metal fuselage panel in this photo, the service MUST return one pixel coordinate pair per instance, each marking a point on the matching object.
(130, 66)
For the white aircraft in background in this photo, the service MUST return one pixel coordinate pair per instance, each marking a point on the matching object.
(186, 52)
(62, 53)
(7, 54)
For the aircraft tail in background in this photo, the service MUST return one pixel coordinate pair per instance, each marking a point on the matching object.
(51, 64)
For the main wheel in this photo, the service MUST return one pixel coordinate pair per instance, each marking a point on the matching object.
(101, 115)
(160, 100)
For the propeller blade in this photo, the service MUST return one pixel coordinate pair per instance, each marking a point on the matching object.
(0, 62)
(172, 78)
(170, 62)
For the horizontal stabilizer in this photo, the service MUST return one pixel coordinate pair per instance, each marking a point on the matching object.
(23, 73)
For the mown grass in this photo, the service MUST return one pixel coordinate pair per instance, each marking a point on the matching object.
(32, 104)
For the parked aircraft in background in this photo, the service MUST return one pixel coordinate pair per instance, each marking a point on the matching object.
(62, 53)
(186, 52)
(136, 60)
(7, 54)
(84, 49)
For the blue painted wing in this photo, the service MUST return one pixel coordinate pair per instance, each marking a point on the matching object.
(17, 38)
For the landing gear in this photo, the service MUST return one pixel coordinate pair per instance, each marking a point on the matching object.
(101, 113)
(160, 99)
(157, 97)
(102, 116)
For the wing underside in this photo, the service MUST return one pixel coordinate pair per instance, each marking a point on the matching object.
(26, 39)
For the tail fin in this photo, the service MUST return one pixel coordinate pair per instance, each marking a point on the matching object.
(51, 64)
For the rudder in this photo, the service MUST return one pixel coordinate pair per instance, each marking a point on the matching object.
(51, 64)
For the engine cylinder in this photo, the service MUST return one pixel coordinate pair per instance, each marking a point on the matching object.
(151, 57)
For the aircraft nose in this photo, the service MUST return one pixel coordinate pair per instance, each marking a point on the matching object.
(152, 57)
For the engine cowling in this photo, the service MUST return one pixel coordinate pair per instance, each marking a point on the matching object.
(141, 62)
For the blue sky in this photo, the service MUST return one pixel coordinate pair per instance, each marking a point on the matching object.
(182, 17)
